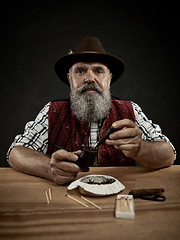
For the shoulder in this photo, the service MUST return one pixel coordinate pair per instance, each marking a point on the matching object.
(123, 108)
(60, 100)
(139, 114)
(58, 104)
(136, 106)
(122, 103)
(44, 111)
(59, 107)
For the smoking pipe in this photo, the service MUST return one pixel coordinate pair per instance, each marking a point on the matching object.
(87, 157)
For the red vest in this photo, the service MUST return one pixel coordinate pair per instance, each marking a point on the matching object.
(68, 132)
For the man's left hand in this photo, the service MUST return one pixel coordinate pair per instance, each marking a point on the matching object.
(127, 137)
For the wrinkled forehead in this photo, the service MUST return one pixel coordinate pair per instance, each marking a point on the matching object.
(89, 65)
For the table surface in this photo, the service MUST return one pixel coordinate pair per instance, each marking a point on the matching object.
(25, 214)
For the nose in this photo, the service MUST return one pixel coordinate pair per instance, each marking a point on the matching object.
(89, 78)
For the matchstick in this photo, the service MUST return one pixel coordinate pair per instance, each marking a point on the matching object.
(74, 199)
(46, 194)
(124, 204)
(128, 203)
(50, 193)
(91, 202)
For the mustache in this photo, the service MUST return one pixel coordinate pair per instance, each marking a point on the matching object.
(88, 86)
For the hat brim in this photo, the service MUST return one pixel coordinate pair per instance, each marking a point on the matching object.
(115, 64)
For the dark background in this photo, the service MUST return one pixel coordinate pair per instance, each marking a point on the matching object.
(35, 35)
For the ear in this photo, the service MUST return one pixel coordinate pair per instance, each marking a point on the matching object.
(110, 77)
(68, 77)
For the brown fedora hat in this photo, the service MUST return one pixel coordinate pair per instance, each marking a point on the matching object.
(89, 49)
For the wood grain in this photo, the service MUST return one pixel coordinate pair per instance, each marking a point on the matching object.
(25, 214)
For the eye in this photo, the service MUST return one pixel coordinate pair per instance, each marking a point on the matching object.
(80, 71)
(99, 71)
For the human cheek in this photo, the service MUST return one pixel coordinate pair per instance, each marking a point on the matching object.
(104, 84)
(76, 83)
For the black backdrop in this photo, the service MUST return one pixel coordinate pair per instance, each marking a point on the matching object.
(35, 35)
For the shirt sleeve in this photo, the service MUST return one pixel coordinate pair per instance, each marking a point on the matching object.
(35, 134)
(150, 131)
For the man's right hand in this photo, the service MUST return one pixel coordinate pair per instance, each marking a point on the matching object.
(63, 170)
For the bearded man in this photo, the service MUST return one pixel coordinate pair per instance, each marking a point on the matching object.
(84, 118)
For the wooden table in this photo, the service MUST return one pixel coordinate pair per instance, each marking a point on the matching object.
(25, 214)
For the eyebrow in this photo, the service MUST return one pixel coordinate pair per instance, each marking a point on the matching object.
(94, 67)
(99, 67)
(80, 67)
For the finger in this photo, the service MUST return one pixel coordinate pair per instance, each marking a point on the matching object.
(124, 133)
(70, 168)
(63, 179)
(130, 150)
(61, 176)
(61, 172)
(127, 147)
(78, 152)
(124, 141)
(67, 167)
(123, 123)
(65, 155)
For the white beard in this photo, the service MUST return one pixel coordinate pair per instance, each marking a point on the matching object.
(92, 106)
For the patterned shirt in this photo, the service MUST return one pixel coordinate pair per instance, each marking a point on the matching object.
(35, 134)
